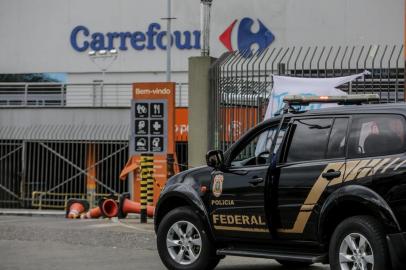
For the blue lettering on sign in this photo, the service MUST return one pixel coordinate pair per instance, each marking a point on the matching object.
(185, 44)
(137, 41)
(97, 42)
(153, 38)
(110, 39)
(74, 38)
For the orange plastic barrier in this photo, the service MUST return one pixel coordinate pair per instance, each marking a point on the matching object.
(75, 207)
(129, 206)
(92, 213)
(109, 208)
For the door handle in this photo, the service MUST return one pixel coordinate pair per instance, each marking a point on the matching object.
(256, 180)
(331, 174)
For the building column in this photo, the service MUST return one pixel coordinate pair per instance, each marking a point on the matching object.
(200, 130)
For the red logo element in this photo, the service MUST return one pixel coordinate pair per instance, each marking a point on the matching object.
(225, 37)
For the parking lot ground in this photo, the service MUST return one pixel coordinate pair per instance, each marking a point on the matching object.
(38, 242)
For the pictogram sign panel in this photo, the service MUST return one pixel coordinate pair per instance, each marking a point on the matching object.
(150, 126)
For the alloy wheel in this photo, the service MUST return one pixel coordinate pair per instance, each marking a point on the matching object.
(184, 242)
(356, 253)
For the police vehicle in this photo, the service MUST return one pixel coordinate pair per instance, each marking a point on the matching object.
(322, 186)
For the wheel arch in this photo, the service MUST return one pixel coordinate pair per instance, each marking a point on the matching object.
(179, 197)
(352, 201)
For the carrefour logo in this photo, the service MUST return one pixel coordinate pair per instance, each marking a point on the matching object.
(153, 37)
(246, 38)
(82, 39)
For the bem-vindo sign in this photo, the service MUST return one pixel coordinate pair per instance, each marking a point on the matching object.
(153, 128)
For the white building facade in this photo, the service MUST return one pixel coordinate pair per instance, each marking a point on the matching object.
(56, 35)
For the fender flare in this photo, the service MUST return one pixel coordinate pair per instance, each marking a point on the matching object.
(360, 195)
(187, 194)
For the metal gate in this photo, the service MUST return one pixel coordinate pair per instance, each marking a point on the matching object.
(38, 173)
(241, 85)
(57, 171)
(11, 156)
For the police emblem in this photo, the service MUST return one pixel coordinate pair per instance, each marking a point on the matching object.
(218, 185)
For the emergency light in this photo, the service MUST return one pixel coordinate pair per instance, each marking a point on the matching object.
(341, 100)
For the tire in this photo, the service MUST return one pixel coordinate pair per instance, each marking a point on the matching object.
(293, 264)
(348, 236)
(173, 227)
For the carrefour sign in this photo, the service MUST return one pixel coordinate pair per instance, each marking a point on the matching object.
(246, 37)
(82, 39)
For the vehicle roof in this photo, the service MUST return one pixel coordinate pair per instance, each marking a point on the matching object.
(396, 108)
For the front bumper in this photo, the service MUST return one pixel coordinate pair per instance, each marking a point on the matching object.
(397, 250)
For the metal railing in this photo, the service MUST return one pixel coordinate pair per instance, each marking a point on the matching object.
(94, 94)
(40, 173)
(46, 173)
(241, 85)
(32, 94)
(42, 199)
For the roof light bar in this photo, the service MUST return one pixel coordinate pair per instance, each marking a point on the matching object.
(348, 99)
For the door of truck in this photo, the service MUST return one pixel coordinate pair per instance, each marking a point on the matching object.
(237, 196)
(312, 159)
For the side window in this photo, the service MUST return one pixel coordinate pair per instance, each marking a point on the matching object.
(256, 151)
(376, 135)
(309, 141)
(337, 141)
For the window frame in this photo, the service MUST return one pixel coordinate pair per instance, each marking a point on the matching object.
(369, 114)
(347, 133)
(290, 134)
(248, 137)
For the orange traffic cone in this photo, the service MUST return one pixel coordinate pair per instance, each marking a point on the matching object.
(109, 208)
(93, 213)
(129, 206)
(75, 207)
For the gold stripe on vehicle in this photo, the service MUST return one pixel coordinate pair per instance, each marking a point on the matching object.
(399, 165)
(300, 223)
(313, 197)
(376, 169)
(354, 169)
(349, 166)
(239, 229)
(369, 168)
(354, 172)
(339, 179)
(321, 184)
(390, 164)
(306, 207)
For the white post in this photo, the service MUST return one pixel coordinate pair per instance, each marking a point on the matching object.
(205, 6)
(169, 40)
(106, 58)
(102, 87)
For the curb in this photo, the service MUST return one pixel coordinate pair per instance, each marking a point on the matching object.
(44, 213)
(32, 213)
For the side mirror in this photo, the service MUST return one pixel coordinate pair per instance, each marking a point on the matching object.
(215, 159)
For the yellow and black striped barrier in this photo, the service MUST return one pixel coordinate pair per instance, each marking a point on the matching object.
(150, 180)
(147, 184)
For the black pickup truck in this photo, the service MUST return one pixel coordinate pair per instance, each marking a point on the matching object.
(322, 186)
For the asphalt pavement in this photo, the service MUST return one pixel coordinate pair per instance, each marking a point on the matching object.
(52, 242)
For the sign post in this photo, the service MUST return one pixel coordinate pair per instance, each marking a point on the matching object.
(153, 132)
